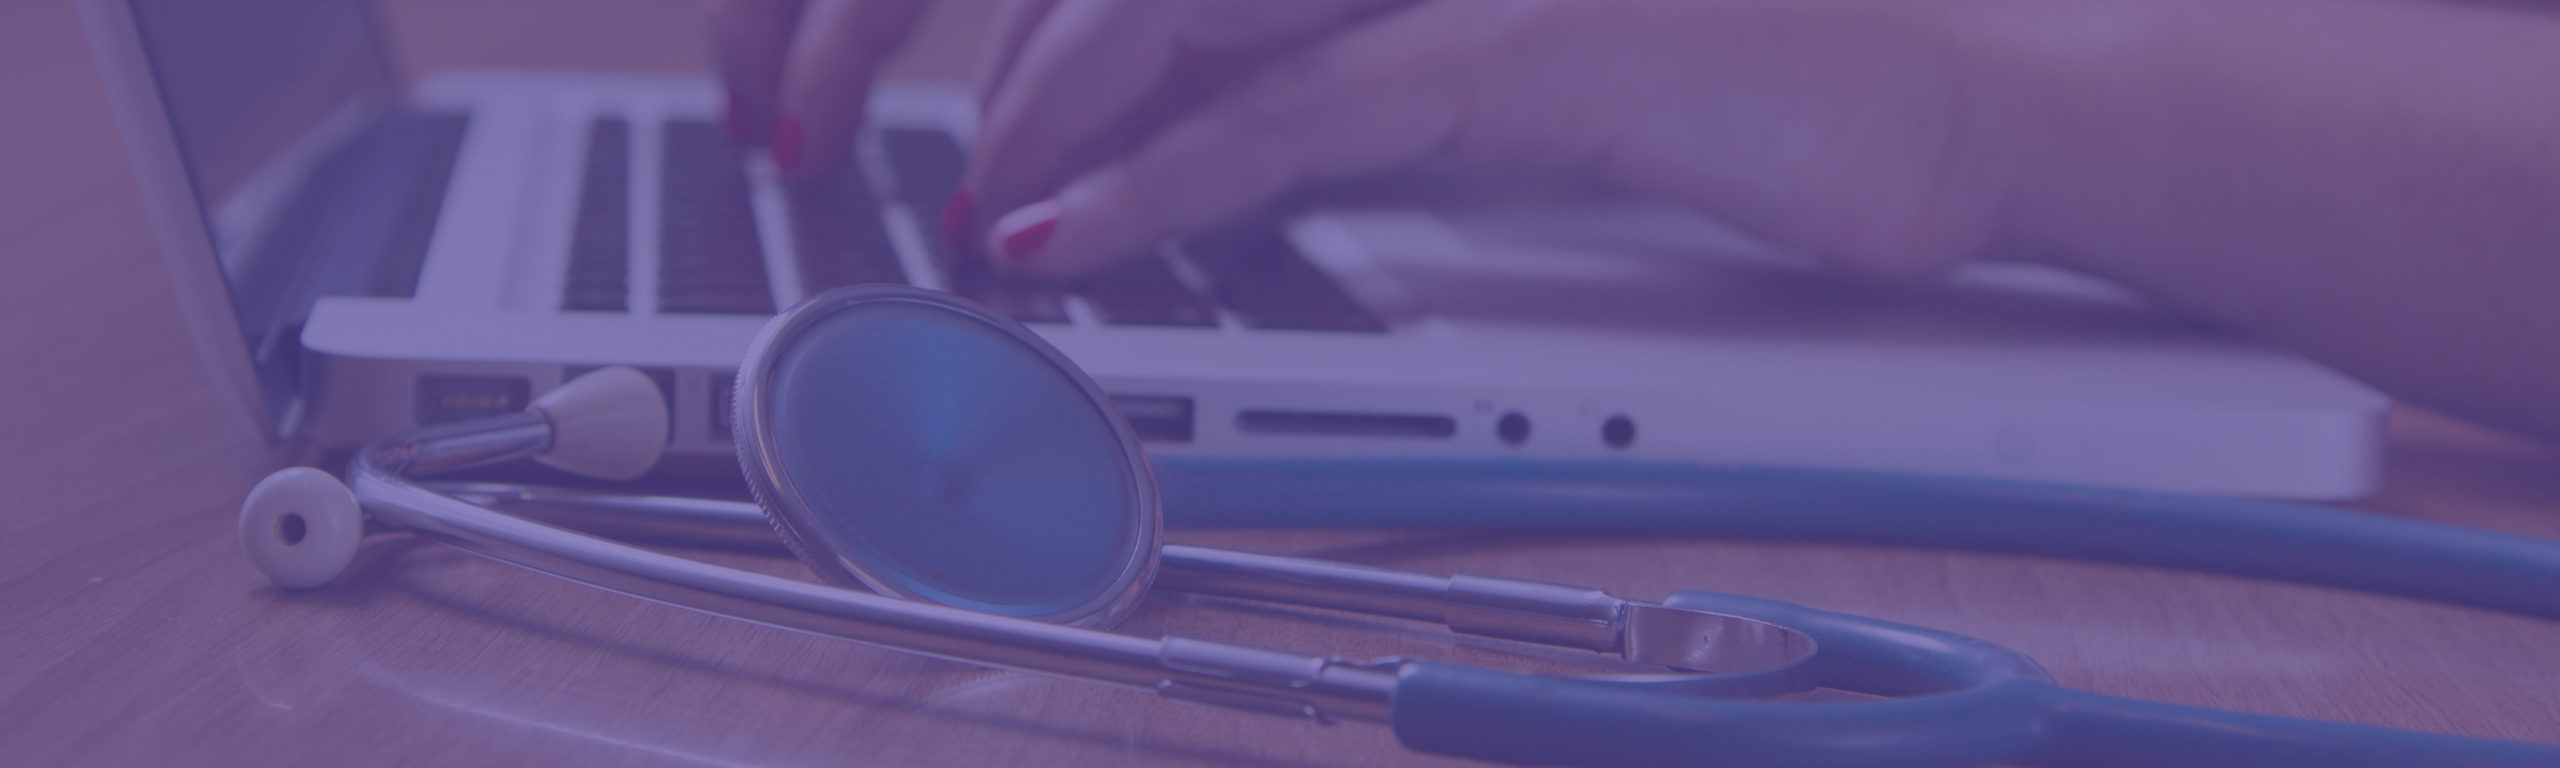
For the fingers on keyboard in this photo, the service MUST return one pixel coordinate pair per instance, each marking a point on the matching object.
(711, 260)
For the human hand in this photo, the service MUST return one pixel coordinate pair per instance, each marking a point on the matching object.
(1854, 130)
(798, 72)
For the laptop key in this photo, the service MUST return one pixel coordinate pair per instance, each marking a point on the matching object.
(925, 166)
(756, 301)
(1256, 273)
(1030, 301)
(841, 241)
(710, 259)
(595, 297)
(1146, 292)
(600, 245)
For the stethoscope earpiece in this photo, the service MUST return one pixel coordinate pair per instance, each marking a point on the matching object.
(607, 425)
(301, 527)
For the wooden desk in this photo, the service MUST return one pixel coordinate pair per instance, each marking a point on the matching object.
(132, 631)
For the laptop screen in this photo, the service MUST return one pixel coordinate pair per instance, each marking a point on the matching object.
(255, 91)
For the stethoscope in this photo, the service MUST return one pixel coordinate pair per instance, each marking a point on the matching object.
(994, 509)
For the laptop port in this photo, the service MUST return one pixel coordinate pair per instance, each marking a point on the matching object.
(1345, 424)
(1619, 431)
(447, 399)
(724, 404)
(1156, 419)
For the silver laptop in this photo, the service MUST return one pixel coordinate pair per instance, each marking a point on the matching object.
(392, 254)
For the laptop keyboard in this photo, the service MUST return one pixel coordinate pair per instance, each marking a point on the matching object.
(1146, 292)
(600, 245)
(924, 169)
(924, 172)
(1257, 274)
(710, 259)
(842, 240)
(710, 255)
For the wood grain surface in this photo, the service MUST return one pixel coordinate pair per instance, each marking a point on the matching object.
(133, 632)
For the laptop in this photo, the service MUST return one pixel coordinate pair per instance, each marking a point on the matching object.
(358, 254)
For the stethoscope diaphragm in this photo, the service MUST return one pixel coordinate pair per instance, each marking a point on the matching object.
(926, 447)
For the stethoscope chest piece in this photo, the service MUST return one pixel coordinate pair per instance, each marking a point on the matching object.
(926, 447)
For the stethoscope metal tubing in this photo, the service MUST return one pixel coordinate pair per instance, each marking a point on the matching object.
(1213, 673)
(1516, 610)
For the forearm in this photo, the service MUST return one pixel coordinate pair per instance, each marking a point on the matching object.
(2376, 184)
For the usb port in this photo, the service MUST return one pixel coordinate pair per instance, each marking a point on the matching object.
(447, 399)
(1156, 419)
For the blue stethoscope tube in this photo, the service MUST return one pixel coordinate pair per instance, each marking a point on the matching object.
(1969, 702)
(2282, 542)
(1956, 700)
(1964, 702)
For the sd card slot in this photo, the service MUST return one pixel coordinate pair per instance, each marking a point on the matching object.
(1346, 424)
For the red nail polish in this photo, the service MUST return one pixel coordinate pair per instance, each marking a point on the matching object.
(1026, 241)
(960, 218)
(786, 143)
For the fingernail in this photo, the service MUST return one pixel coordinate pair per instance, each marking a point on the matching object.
(786, 143)
(960, 218)
(1021, 234)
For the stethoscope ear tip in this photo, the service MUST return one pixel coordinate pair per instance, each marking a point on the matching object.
(301, 527)
(607, 425)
